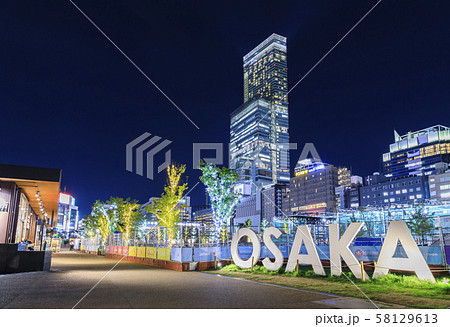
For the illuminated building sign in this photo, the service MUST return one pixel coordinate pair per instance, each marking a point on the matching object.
(339, 248)
(65, 198)
(309, 170)
(316, 168)
(301, 172)
(310, 207)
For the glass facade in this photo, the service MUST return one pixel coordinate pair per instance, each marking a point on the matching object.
(259, 137)
(24, 227)
(416, 153)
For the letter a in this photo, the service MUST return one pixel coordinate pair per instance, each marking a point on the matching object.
(303, 235)
(415, 262)
(340, 248)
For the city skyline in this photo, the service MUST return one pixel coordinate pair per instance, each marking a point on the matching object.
(73, 92)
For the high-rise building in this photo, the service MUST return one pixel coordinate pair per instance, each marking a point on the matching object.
(312, 190)
(416, 153)
(259, 137)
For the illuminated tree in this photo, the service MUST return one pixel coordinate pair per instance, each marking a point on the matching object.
(421, 223)
(104, 219)
(167, 207)
(126, 214)
(220, 185)
(223, 233)
(89, 226)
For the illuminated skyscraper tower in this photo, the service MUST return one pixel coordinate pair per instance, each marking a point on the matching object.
(259, 137)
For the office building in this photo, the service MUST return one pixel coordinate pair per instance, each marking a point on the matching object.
(375, 178)
(440, 186)
(416, 153)
(349, 197)
(203, 215)
(312, 190)
(67, 214)
(248, 211)
(272, 202)
(344, 176)
(259, 136)
(400, 191)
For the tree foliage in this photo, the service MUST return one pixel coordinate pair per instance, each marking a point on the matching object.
(220, 185)
(116, 214)
(421, 223)
(167, 208)
(127, 215)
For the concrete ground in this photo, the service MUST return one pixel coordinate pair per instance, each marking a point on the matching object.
(131, 285)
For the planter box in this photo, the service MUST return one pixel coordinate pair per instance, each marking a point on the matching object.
(14, 261)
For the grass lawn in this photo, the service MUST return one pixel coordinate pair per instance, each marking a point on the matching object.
(405, 290)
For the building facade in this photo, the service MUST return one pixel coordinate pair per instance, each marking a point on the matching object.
(203, 215)
(312, 190)
(344, 176)
(375, 178)
(440, 186)
(272, 202)
(259, 136)
(28, 202)
(349, 196)
(407, 190)
(416, 153)
(67, 214)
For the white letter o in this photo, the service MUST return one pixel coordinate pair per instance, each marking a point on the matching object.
(245, 264)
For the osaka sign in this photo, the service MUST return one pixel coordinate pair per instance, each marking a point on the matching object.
(339, 250)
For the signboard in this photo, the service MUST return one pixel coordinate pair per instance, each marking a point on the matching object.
(132, 251)
(163, 253)
(150, 252)
(304, 251)
(140, 252)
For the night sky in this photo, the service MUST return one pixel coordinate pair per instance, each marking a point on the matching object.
(70, 100)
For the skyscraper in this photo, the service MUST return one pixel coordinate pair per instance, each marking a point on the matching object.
(416, 153)
(259, 137)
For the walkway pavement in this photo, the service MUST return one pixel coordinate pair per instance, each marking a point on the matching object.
(131, 285)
